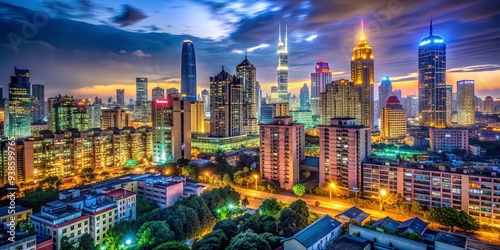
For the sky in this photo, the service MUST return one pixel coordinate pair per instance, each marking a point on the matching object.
(89, 48)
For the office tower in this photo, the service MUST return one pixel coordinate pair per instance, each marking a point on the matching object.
(259, 99)
(172, 91)
(393, 120)
(319, 79)
(432, 81)
(488, 105)
(188, 71)
(362, 75)
(64, 113)
(18, 107)
(94, 112)
(283, 67)
(411, 106)
(205, 97)
(115, 118)
(294, 102)
(449, 101)
(38, 102)
(282, 148)
(226, 107)
(478, 103)
(197, 117)
(141, 90)
(448, 139)
(246, 74)
(304, 97)
(340, 100)
(384, 91)
(120, 97)
(343, 146)
(465, 102)
(274, 94)
(171, 129)
(158, 93)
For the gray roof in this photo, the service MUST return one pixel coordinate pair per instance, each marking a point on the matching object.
(387, 222)
(316, 231)
(4, 211)
(310, 162)
(350, 242)
(452, 239)
(416, 224)
(354, 213)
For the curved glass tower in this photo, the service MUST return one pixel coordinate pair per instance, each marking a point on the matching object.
(188, 71)
(432, 81)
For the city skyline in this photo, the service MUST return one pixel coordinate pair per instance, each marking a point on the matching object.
(138, 44)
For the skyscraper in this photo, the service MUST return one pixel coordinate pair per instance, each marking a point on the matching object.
(488, 105)
(197, 117)
(449, 102)
(38, 94)
(18, 107)
(362, 74)
(319, 79)
(141, 90)
(172, 91)
(465, 102)
(393, 120)
(95, 114)
(304, 97)
(188, 71)
(247, 74)
(64, 113)
(432, 81)
(384, 91)
(158, 93)
(340, 100)
(283, 67)
(226, 105)
(259, 99)
(205, 96)
(115, 118)
(120, 97)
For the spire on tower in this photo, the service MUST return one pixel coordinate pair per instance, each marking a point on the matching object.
(279, 32)
(431, 27)
(362, 36)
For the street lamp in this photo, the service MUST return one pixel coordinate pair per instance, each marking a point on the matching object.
(332, 185)
(383, 192)
(256, 177)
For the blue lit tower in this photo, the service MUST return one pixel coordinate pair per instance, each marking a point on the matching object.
(188, 71)
(283, 68)
(304, 97)
(432, 81)
(384, 91)
(18, 107)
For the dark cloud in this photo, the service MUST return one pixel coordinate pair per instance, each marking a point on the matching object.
(129, 16)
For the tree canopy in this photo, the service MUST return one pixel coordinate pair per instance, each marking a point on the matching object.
(299, 189)
(451, 218)
(248, 241)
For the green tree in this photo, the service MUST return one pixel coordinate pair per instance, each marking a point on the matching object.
(66, 244)
(345, 227)
(269, 224)
(153, 233)
(415, 207)
(271, 207)
(229, 228)
(248, 241)
(415, 236)
(37, 197)
(105, 175)
(245, 202)
(144, 206)
(226, 179)
(51, 182)
(274, 241)
(88, 175)
(85, 242)
(299, 189)
(252, 223)
(451, 218)
(172, 245)
(112, 239)
(214, 240)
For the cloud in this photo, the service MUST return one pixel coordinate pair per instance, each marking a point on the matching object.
(311, 37)
(251, 49)
(476, 68)
(122, 51)
(140, 54)
(129, 16)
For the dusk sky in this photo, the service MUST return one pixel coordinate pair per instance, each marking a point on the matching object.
(87, 47)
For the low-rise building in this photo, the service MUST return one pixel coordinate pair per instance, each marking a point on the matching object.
(164, 191)
(353, 213)
(448, 139)
(318, 235)
(19, 213)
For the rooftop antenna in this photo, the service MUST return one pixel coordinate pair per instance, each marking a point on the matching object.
(279, 32)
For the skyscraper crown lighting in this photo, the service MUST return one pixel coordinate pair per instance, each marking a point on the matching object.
(431, 38)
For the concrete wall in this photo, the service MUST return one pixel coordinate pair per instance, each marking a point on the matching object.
(387, 239)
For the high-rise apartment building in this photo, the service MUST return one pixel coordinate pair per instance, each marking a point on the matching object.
(171, 129)
(64, 113)
(246, 74)
(448, 139)
(18, 107)
(95, 113)
(411, 106)
(188, 71)
(197, 117)
(259, 99)
(226, 105)
(488, 105)
(120, 97)
(362, 75)
(432, 81)
(141, 90)
(449, 104)
(339, 100)
(466, 103)
(343, 146)
(393, 120)
(205, 97)
(283, 68)
(157, 93)
(38, 102)
(282, 148)
(384, 91)
(319, 79)
(115, 118)
(304, 98)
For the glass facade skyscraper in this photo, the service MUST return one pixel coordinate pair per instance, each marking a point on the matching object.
(18, 106)
(304, 97)
(188, 71)
(283, 68)
(38, 102)
(120, 97)
(247, 74)
(465, 102)
(141, 90)
(432, 81)
(319, 79)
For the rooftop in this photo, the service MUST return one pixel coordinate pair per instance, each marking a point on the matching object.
(416, 224)
(350, 242)
(451, 239)
(354, 213)
(388, 222)
(117, 193)
(4, 211)
(316, 231)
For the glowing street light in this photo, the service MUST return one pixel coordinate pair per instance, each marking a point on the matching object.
(128, 242)
(256, 177)
(383, 192)
(332, 185)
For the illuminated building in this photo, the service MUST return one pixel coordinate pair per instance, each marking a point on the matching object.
(246, 73)
(339, 100)
(393, 120)
(94, 112)
(259, 99)
(274, 95)
(319, 79)
(449, 103)
(282, 148)
(362, 75)
(171, 129)
(304, 98)
(294, 102)
(478, 103)
(172, 91)
(283, 67)
(188, 71)
(488, 105)
(207, 125)
(205, 97)
(269, 111)
(432, 81)
(447, 139)
(141, 90)
(384, 91)
(197, 117)
(115, 118)
(157, 93)
(64, 114)
(18, 107)
(343, 146)
(303, 117)
(465, 103)
(224, 144)
(142, 113)
(120, 97)
(411, 106)
(226, 107)
(38, 102)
